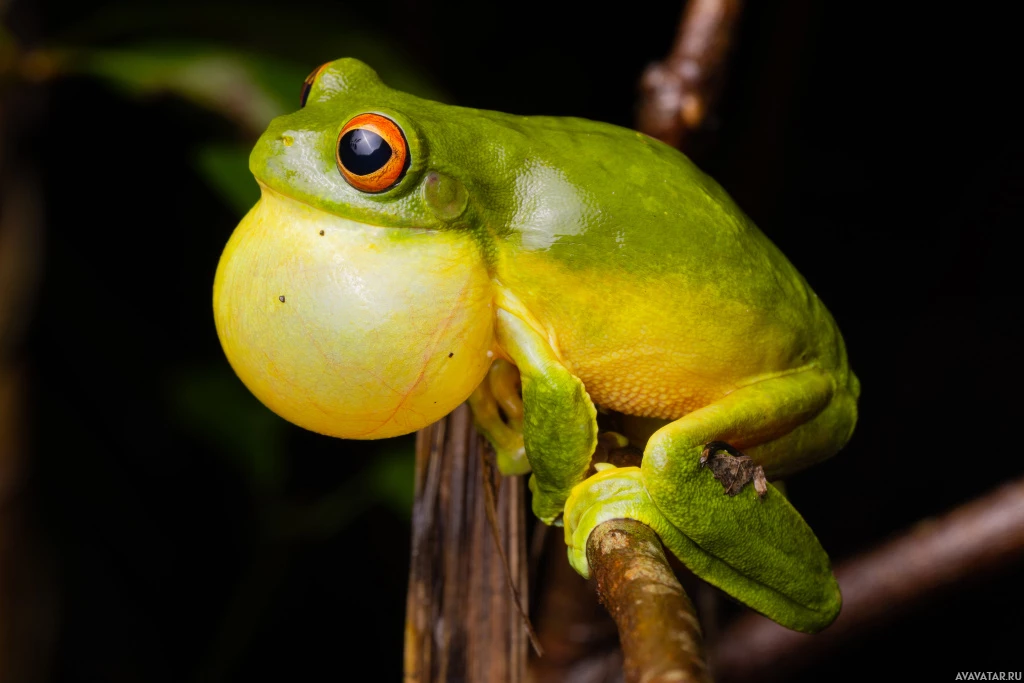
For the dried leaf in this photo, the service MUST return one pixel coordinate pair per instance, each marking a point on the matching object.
(733, 469)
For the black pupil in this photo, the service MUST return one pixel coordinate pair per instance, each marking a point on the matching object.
(362, 151)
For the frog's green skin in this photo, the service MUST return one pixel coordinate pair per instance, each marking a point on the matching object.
(602, 264)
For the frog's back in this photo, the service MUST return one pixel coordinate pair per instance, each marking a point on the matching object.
(653, 286)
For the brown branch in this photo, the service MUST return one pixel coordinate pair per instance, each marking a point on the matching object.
(678, 93)
(984, 534)
(580, 638)
(659, 635)
(658, 627)
(461, 618)
(28, 603)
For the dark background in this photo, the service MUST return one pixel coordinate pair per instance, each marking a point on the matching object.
(876, 145)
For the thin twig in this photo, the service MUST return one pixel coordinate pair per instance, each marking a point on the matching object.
(678, 93)
(984, 534)
(658, 627)
(491, 508)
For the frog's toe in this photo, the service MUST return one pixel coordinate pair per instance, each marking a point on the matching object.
(547, 505)
(612, 493)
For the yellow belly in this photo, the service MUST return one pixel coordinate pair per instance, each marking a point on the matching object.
(655, 348)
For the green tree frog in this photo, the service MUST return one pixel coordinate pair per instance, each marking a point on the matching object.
(407, 256)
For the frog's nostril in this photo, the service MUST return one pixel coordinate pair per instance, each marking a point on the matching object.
(287, 140)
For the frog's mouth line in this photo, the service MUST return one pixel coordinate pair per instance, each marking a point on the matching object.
(326, 214)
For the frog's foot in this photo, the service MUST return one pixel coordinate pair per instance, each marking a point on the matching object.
(612, 493)
(734, 470)
(761, 553)
(612, 449)
(548, 504)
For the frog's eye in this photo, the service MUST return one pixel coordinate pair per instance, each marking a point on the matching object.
(307, 84)
(372, 153)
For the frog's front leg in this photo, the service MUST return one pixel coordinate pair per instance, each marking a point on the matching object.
(497, 394)
(757, 549)
(558, 420)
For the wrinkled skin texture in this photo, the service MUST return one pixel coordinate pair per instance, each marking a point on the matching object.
(583, 264)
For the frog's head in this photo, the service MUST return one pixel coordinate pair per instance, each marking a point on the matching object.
(354, 299)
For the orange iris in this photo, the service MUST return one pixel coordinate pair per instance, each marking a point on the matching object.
(372, 153)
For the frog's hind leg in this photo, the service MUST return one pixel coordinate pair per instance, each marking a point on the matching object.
(759, 550)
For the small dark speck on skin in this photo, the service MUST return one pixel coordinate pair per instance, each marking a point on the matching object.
(281, 298)
(451, 354)
(321, 233)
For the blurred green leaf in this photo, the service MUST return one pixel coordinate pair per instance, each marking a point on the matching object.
(226, 169)
(215, 406)
(246, 89)
(303, 39)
